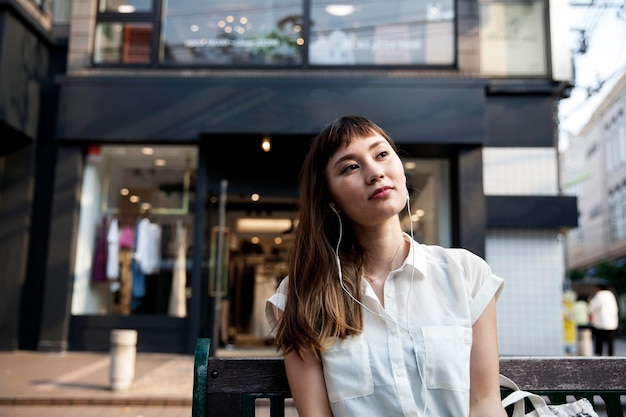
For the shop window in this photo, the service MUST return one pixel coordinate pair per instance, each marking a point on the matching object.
(201, 32)
(124, 32)
(513, 38)
(399, 32)
(277, 33)
(123, 43)
(134, 249)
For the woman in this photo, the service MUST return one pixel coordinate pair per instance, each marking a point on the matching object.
(370, 322)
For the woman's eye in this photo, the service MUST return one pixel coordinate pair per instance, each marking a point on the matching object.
(383, 154)
(349, 168)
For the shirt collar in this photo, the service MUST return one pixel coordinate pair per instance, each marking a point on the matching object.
(416, 257)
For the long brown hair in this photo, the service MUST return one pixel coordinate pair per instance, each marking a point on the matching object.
(318, 310)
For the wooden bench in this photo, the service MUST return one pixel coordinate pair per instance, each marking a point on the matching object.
(225, 387)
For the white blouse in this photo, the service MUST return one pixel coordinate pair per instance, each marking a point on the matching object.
(413, 357)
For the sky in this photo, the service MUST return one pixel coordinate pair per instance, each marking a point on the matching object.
(605, 59)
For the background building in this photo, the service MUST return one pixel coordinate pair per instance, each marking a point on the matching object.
(594, 170)
(156, 118)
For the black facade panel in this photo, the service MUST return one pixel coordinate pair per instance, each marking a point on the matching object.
(165, 109)
(154, 333)
(520, 121)
(21, 81)
(531, 212)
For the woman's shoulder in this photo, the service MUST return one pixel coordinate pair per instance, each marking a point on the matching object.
(461, 255)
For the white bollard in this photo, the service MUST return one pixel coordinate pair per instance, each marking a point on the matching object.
(123, 352)
(585, 344)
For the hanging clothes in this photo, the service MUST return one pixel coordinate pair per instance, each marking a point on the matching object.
(139, 279)
(126, 283)
(148, 249)
(178, 299)
(99, 268)
(127, 237)
(113, 252)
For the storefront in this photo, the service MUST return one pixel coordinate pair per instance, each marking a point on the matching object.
(159, 128)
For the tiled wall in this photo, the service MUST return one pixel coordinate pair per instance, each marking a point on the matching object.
(520, 171)
(530, 313)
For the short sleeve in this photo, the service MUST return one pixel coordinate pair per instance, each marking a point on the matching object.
(482, 284)
(275, 305)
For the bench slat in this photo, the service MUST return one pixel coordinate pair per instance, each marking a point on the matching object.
(566, 373)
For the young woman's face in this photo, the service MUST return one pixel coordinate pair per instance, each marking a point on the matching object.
(366, 180)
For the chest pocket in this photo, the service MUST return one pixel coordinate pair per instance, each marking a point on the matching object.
(448, 351)
(347, 369)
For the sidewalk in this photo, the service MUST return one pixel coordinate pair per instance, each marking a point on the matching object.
(39, 378)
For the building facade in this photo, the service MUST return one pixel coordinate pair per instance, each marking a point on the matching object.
(594, 170)
(166, 215)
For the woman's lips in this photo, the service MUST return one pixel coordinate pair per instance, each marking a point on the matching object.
(381, 192)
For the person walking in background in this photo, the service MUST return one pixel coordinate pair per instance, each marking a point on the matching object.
(369, 321)
(604, 319)
(583, 328)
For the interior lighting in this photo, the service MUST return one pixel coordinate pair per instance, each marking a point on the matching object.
(266, 144)
(147, 151)
(160, 162)
(255, 197)
(262, 225)
(340, 9)
(124, 191)
(126, 8)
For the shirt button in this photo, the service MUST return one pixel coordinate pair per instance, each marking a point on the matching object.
(398, 373)
(389, 295)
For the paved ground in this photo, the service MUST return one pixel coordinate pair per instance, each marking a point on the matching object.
(76, 384)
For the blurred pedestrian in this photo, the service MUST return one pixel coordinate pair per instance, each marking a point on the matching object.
(584, 345)
(604, 319)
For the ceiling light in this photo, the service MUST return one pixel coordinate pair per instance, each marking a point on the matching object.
(126, 8)
(147, 151)
(340, 9)
(266, 144)
(254, 225)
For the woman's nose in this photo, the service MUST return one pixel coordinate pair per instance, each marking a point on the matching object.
(375, 177)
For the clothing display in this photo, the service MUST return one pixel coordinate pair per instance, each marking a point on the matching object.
(131, 255)
(113, 252)
(99, 269)
(124, 294)
(148, 248)
(413, 355)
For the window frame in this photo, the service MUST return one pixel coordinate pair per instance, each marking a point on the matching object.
(150, 18)
(155, 19)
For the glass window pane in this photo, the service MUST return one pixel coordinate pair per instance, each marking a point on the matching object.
(512, 39)
(135, 231)
(125, 6)
(247, 32)
(398, 32)
(127, 43)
